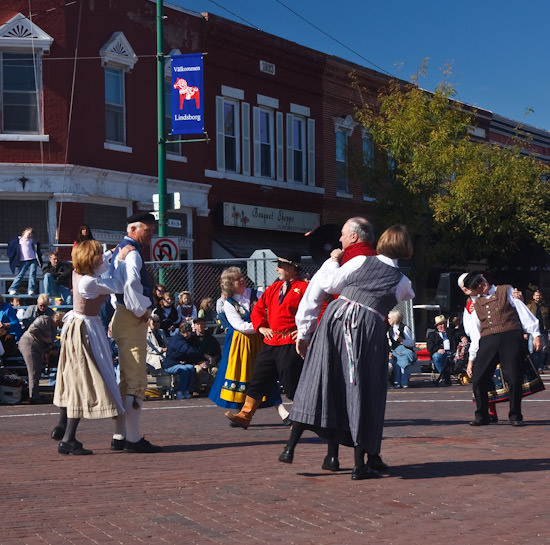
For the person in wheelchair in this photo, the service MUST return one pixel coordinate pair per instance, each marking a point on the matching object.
(439, 345)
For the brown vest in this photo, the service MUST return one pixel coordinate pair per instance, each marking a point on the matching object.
(88, 307)
(496, 314)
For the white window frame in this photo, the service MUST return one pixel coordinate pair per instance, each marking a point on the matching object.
(20, 36)
(221, 137)
(118, 56)
(291, 149)
(344, 126)
(258, 111)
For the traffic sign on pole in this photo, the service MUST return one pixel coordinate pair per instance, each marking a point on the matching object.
(164, 249)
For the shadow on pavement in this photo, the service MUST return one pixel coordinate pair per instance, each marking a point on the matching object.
(431, 470)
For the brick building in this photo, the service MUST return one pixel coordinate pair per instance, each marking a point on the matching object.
(78, 136)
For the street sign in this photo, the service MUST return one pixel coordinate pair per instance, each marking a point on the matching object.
(261, 268)
(164, 249)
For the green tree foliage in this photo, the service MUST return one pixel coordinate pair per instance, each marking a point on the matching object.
(460, 199)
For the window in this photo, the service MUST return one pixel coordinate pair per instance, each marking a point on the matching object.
(296, 149)
(115, 130)
(264, 165)
(368, 149)
(20, 93)
(228, 133)
(342, 182)
(343, 128)
(117, 57)
(22, 45)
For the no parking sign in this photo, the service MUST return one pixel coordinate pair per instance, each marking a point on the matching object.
(165, 249)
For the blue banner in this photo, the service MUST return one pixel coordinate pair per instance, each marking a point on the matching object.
(187, 96)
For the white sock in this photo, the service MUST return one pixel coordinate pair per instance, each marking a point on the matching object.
(283, 413)
(132, 419)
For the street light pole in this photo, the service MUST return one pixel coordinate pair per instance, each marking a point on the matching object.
(160, 123)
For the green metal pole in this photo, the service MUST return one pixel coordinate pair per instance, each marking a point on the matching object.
(160, 130)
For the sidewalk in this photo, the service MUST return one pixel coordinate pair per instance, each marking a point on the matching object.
(449, 482)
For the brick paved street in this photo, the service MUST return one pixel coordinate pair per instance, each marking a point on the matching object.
(449, 482)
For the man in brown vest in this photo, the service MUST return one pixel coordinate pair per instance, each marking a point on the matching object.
(496, 326)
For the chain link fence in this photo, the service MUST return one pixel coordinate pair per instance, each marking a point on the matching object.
(202, 277)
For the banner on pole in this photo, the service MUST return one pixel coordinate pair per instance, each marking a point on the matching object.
(187, 95)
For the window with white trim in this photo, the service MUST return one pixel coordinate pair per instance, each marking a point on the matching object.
(296, 148)
(343, 128)
(264, 164)
(342, 181)
(22, 45)
(115, 111)
(228, 133)
(118, 58)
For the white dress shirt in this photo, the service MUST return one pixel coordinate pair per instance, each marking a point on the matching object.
(331, 278)
(472, 325)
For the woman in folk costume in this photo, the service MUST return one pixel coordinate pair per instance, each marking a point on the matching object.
(241, 345)
(86, 385)
(342, 390)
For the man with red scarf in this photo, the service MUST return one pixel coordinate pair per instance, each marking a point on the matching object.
(357, 240)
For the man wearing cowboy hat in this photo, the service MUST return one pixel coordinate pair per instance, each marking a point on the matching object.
(439, 346)
(274, 317)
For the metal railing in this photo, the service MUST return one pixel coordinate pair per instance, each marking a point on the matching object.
(202, 277)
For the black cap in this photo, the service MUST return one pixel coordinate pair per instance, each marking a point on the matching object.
(143, 217)
(292, 258)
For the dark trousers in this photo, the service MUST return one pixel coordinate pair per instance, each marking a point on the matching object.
(275, 363)
(508, 349)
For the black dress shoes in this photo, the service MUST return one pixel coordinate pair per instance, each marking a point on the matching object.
(287, 456)
(480, 422)
(72, 447)
(117, 444)
(365, 472)
(57, 433)
(331, 463)
(517, 423)
(493, 419)
(375, 462)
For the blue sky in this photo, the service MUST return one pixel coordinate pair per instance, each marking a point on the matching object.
(498, 49)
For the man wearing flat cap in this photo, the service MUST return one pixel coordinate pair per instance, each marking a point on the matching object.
(439, 345)
(496, 322)
(129, 328)
(274, 317)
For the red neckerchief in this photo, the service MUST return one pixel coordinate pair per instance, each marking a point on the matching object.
(469, 306)
(359, 248)
(353, 250)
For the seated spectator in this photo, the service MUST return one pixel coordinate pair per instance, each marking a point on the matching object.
(158, 292)
(35, 345)
(461, 355)
(180, 360)
(16, 304)
(205, 370)
(40, 309)
(168, 314)
(8, 342)
(57, 278)
(156, 345)
(186, 309)
(207, 310)
(8, 319)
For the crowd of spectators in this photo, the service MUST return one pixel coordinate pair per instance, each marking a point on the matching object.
(40, 349)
